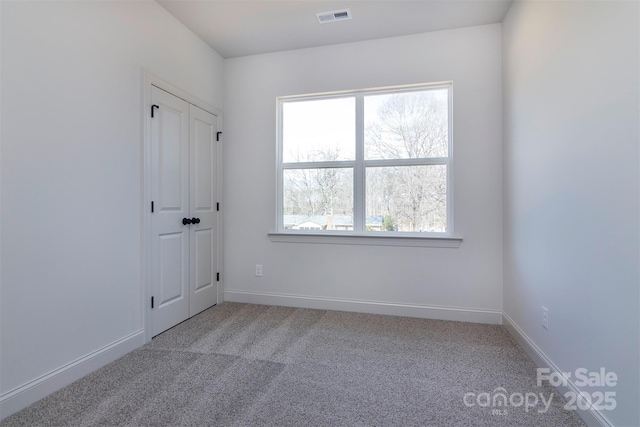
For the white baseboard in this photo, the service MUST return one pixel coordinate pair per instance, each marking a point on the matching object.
(591, 416)
(23, 396)
(458, 314)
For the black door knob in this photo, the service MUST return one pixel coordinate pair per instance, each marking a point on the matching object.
(195, 220)
(186, 221)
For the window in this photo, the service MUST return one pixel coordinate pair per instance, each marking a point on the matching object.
(372, 162)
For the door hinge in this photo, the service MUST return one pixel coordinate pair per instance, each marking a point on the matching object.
(151, 302)
(218, 136)
(152, 107)
(217, 277)
(152, 206)
(217, 206)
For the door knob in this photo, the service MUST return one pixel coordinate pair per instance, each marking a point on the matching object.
(186, 221)
(195, 220)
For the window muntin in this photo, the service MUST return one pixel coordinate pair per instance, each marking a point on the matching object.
(375, 161)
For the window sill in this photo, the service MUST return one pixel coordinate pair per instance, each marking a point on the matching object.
(362, 239)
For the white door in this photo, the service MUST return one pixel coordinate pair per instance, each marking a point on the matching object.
(204, 233)
(183, 221)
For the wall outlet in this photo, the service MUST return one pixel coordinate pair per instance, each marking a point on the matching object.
(258, 270)
(545, 318)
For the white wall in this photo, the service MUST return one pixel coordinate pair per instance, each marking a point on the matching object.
(469, 276)
(71, 171)
(571, 232)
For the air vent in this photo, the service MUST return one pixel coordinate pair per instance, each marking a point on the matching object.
(334, 15)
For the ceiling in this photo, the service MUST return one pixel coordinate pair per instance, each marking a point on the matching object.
(239, 28)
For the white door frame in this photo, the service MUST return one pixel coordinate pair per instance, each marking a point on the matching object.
(150, 80)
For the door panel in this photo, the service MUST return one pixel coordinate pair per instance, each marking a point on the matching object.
(170, 192)
(171, 159)
(204, 156)
(204, 254)
(172, 269)
(204, 235)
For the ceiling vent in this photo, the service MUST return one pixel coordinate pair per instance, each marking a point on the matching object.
(333, 16)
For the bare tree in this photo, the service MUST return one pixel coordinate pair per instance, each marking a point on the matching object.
(318, 191)
(409, 126)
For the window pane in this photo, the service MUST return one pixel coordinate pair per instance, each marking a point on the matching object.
(318, 199)
(319, 130)
(406, 125)
(407, 198)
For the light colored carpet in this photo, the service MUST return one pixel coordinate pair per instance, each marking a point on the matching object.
(255, 365)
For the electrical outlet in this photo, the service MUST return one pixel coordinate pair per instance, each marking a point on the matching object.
(545, 318)
(258, 270)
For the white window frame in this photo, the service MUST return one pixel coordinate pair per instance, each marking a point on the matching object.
(359, 235)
